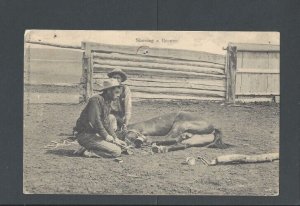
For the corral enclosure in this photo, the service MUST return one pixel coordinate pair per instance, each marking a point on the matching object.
(249, 72)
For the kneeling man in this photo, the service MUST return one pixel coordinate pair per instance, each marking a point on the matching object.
(96, 126)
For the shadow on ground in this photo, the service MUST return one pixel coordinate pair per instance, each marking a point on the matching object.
(62, 152)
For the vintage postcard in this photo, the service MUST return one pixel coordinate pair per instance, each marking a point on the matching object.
(151, 112)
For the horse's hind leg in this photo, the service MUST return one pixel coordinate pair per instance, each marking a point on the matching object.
(178, 129)
(177, 147)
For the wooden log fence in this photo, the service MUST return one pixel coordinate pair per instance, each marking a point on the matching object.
(248, 72)
(157, 73)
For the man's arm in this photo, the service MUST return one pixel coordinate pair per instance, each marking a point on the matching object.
(128, 105)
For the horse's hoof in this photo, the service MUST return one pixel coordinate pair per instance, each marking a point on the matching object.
(159, 149)
(138, 143)
(155, 149)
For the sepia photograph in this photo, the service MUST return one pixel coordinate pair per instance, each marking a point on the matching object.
(119, 112)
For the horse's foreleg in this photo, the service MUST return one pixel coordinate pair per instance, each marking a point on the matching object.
(178, 138)
(166, 142)
(161, 140)
(177, 147)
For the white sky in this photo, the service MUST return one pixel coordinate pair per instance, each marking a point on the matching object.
(191, 40)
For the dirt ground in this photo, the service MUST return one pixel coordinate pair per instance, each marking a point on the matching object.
(249, 131)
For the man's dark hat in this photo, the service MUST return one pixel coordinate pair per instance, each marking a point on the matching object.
(118, 71)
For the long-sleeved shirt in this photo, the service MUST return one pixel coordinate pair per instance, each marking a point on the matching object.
(94, 117)
(121, 107)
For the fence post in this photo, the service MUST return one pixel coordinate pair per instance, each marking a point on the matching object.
(91, 73)
(231, 73)
(86, 88)
(83, 80)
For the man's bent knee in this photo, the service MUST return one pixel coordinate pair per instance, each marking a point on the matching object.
(109, 148)
(108, 152)
(116, 152)
(113, 122)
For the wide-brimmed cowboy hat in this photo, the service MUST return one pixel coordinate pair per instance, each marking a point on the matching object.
(118, 71)
(109, 83)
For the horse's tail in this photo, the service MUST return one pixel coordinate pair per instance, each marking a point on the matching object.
(218, 140)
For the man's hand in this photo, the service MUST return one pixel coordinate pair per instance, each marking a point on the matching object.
(120, 142)
(110, 138)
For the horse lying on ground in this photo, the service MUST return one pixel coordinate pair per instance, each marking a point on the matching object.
(181, 130)
(184, 129)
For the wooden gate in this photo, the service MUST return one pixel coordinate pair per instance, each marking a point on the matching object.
(253, 72)
(156, 73)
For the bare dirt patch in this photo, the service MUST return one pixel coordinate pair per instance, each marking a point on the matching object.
(250, 131)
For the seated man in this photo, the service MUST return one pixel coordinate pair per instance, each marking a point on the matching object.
(96, 127)
(121, 107)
